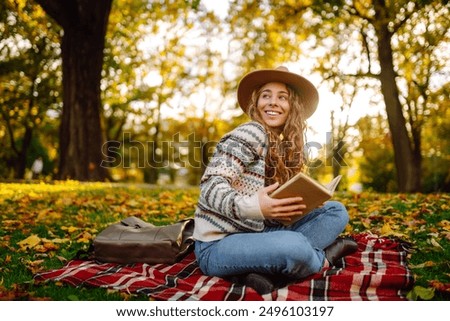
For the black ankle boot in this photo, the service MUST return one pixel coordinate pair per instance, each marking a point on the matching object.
(260, 283)
(340, 248)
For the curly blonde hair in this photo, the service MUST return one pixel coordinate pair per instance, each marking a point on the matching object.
(285, 156)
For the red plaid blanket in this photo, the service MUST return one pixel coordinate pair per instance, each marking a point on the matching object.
(377, 271)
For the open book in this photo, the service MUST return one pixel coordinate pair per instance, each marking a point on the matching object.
(314, 194)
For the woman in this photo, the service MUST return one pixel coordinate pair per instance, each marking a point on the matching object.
(237, 224)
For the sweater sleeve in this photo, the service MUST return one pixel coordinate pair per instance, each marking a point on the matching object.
(222, 186)
(249, 207)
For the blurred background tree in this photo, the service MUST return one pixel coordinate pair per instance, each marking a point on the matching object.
(164, 87)
(30, 88)
(84, 24)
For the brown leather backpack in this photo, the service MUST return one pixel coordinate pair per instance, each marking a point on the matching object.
(133, 240)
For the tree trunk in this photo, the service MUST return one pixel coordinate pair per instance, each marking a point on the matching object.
(408, 174)
(21, 164)
(154, 160)
(338, 157)
(84, 23)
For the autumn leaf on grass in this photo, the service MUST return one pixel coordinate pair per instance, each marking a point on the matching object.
(69, 229)
(62, 259)
(446, 235)
(422, 265)
(366, 222)
(46, 246)
(16, 292)
(435, 243)
(12, 224)
(124, 295)
(419, 292)
(55, 240)
(133, 203)
(64, 201)
(445, 224)
(445, 207)
(33, 196)
(48, 215)
(386, 230)
(30, 242)
(84, 237)
(7, 259)
(440, 286)
(348, 229)
(38, 244)
(34, 266)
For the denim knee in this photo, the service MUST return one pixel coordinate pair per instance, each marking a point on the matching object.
(339, 211)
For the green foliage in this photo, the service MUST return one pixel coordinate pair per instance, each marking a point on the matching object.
(165, 68)
(29, 81)
(418, 35)
(269, 32)
(376, 162)
(37, 149)
(151, 91)
(436, 173)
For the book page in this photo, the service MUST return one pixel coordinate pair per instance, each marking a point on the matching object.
(331, 186)
(314, 194)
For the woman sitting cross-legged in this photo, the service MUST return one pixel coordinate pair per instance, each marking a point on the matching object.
(239, 228)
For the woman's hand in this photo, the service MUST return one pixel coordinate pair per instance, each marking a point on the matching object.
(279, 209)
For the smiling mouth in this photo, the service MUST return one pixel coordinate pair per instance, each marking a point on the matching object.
(272, 113)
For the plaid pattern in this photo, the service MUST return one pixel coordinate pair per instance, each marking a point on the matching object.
(377, 271)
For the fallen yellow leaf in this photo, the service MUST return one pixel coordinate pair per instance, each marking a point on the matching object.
(30, 242)
(435, 243)
(61, 258)
(69, 229)
(55, 240)
(84, 237)
(445, 224)
(33, 195)
(386, 229)
(50, 246)
(34, 263)
(349, 228)
(423, 265)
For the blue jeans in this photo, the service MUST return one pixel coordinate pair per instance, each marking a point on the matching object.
(295, 251)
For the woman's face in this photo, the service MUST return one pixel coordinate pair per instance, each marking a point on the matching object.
(273, 105)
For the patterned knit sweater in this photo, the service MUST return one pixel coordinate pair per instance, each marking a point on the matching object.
(228, 202)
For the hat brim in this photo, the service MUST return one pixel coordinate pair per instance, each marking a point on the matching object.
(256, 79)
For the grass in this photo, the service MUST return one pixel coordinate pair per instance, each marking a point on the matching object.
(45, 225)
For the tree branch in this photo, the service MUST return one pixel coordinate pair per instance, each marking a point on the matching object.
(366, 47)
(10, 131)
(363, 75)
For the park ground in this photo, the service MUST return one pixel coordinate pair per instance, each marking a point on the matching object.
(44, 225)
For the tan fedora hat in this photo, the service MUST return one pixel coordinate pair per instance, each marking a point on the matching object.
(255, 79)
